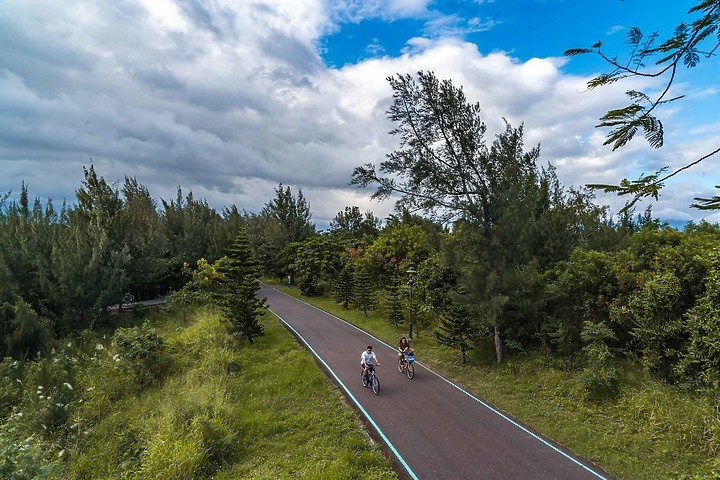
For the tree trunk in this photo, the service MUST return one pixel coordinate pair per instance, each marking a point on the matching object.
(498, 345)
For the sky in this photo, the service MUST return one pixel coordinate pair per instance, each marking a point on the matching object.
(230, 98)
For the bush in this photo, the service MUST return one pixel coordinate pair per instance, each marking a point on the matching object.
(10, 385)
(23, 459)
(599, 378)
(141, 351)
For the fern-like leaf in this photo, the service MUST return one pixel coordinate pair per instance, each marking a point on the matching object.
(577, 51)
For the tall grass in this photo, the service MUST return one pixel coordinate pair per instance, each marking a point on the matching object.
(650, 431)
(225, 411)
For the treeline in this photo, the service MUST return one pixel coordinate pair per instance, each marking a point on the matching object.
(65, 270)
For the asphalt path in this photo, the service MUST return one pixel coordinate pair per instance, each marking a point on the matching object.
(432, 428)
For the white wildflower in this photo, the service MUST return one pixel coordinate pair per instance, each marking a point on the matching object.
(59, 405)
(68, 386)
(61, 453)
(90, 389)
(99, 346)
(40, 387)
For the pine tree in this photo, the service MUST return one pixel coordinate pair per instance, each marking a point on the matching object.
(239, 285)
(393, 306)
(344, 292)
(363, 290)
(456, 330)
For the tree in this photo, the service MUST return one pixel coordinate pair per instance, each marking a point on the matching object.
(394, 306)
(319, 262)
(284, 219)
(443, 167)
(363, 290)
(457, 330)
(688, 44)
(238, 296)
(145, 239)
(344, 292)
(355, 223)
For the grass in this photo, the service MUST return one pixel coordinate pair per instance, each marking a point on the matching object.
(225, 411)
(650, 431)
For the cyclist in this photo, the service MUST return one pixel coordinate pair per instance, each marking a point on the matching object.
(403, 349)
(368, 359)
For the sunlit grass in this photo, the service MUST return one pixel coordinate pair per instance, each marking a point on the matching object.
(226, 411)
(650, 431)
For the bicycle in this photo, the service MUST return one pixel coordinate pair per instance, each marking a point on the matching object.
(406, 365)
(371, 379)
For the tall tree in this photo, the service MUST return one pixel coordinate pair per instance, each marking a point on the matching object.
(145, 239)
(394, 304)
(238, 297)
(344, 291)
(363, 290)
(443, 167)
(284, 219)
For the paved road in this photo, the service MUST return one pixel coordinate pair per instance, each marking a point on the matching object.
(432, 428)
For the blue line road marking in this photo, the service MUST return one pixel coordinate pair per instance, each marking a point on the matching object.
(489, 407)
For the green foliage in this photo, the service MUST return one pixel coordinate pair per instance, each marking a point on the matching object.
(11, 374)
(226, 411)
(700, 361)
(28, 334)
(23, 459)
(457, 330)
(344, 292)
(319, 263)
(355, 223)
(143, 352)
(684, 48)
(363, 291)
(239, 273)
(599, 378)
(394, 304)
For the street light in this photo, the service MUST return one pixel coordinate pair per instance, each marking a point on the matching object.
(410, 273)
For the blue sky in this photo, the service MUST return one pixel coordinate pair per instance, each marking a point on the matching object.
(229, 98)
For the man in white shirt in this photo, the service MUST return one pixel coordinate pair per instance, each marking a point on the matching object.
(368, 359)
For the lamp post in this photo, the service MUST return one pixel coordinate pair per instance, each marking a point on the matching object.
(410, 273)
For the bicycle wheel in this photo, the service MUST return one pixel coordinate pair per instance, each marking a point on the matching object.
(410, 371)
(364, 379)
(375, 385)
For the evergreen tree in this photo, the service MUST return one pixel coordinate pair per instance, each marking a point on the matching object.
(344, 291)
(239, 286)
(363, 290)
(457, 330)
(394, 308)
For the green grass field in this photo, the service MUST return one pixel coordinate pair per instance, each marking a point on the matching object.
(225, 411)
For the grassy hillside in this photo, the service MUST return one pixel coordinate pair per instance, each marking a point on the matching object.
(221, 411)
(650, 431)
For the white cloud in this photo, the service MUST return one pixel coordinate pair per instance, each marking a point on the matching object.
(230, 98)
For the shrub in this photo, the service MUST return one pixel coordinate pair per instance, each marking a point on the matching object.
(599, 378)
(23, 459)
(141, 351)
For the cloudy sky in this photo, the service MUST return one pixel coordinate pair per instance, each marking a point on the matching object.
(229, 98)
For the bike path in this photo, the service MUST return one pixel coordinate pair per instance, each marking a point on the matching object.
(432, 428)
